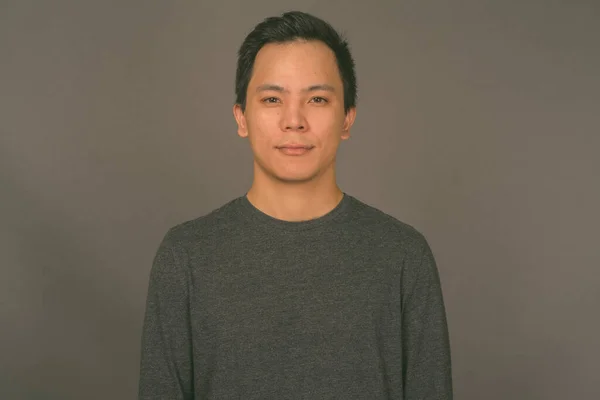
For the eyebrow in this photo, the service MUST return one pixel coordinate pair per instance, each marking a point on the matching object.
(276, 88)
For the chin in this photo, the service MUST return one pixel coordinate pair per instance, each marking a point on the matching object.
(287, 173)
(294, 178)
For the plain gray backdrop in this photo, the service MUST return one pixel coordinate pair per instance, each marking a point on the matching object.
(478, 123)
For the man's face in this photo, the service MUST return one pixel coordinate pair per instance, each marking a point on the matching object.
(295, 98)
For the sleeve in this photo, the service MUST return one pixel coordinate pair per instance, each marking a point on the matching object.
(166, 365)
(425, 340)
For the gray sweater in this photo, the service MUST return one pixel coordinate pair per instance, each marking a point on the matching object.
(245, 306)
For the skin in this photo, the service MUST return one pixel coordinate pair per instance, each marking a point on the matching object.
(295, 95)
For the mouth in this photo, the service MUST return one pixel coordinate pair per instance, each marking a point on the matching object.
(295, 150)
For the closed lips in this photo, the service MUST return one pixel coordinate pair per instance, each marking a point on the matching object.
(295, 146)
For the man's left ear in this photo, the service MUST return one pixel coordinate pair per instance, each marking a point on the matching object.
(348, 122)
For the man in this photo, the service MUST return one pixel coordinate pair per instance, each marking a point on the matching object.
(295, 290)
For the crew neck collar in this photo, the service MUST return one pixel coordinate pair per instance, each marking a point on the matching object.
(253, 214)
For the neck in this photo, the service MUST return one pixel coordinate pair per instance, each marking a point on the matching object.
(295, 202)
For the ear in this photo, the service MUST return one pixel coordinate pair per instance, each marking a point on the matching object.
(348, 122)
(238, 114)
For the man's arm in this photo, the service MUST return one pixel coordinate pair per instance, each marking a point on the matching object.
(166, 370)
(425, 339)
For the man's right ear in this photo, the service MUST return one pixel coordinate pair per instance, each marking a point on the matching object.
(241, 121)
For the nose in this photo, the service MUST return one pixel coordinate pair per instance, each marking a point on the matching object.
(293, 119)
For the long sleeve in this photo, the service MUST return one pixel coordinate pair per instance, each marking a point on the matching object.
(426, 345)
(166, 369)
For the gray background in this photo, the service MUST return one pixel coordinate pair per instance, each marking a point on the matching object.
(478, 123)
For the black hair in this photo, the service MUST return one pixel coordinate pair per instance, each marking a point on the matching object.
(291, 26)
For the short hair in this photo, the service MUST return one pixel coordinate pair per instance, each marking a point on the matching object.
(289, 27)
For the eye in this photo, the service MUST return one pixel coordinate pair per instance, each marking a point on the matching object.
(270, 100)
(319, 100)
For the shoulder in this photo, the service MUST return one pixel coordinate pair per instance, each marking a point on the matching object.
(208, 227)
(398, 241)
(378, 223)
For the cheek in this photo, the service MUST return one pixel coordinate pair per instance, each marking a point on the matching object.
(265, 120)
(327, 118)
(329, 127)
(262, 129)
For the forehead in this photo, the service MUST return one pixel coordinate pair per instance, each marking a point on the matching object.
(297, 62)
